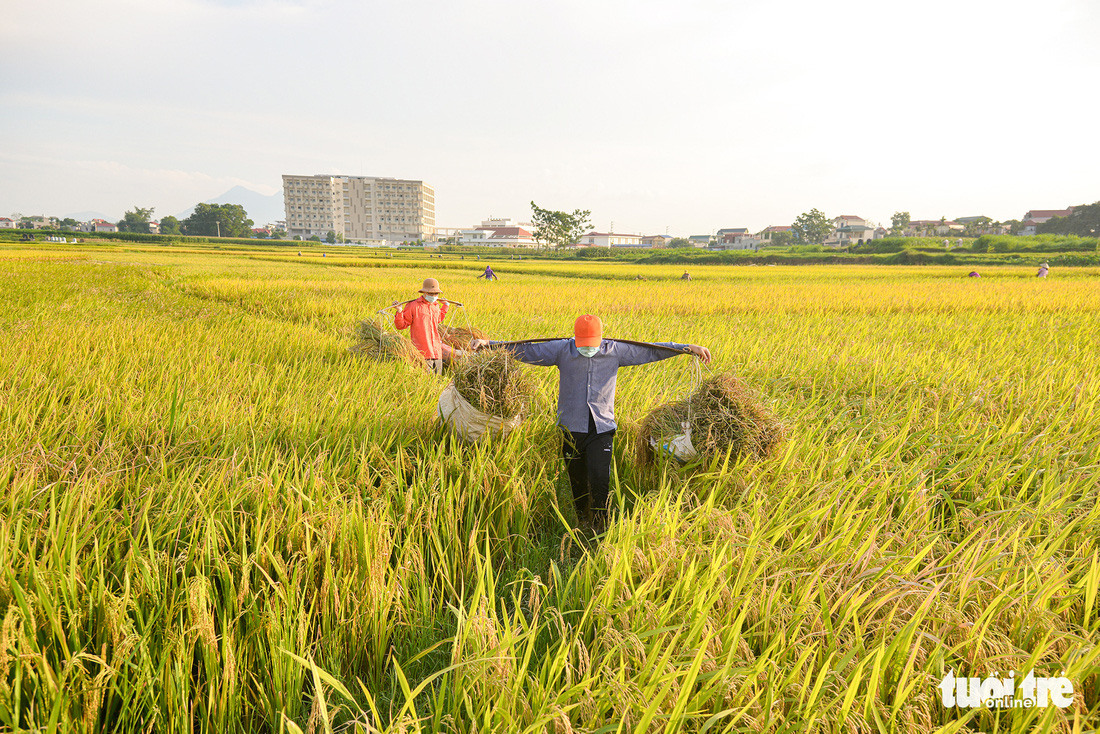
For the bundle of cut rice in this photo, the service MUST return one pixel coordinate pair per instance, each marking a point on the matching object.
(459, 337)
(376, 343)
(723, 415)
(492, 381)
(488, 396)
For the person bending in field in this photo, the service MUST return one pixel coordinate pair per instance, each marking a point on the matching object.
(587, 367)
(488, 274)
(422, 318)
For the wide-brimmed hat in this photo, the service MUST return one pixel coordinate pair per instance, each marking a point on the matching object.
(587, 331)
(431, 287)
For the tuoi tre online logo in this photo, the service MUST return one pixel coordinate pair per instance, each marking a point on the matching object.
(996, 692)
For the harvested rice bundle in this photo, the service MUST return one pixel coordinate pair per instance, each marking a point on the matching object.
(376, 343)
(724, 414)
(459, 337)
(492, 381)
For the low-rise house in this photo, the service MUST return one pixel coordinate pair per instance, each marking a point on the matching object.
(611, 239)
(1043, 215)
(931, 228)
(495, 232)
(765, 235)
(700, 240)
(496, 237)
(1030, 224)
(6, 223)
(98, 225)
(735, 238)
(656, 240)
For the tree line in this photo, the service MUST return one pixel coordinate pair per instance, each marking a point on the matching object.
(207, 220)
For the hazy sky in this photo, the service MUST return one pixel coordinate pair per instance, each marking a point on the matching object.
(685, 115)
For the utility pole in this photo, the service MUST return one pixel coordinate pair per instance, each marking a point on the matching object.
(218, 222)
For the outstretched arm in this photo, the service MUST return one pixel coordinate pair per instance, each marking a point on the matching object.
(540, 354)
(631, 355)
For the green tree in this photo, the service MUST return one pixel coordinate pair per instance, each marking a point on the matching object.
(899, 222)
(558, 228)
(217, 220)
(1013, 225)
(974, 227)
(278, 234)
(136, 220)
(1083, 221)
(314, 238)
(169, 225)
(679, 242)
(782, 239)
(69, 224)
(330, 237)
(811, 228)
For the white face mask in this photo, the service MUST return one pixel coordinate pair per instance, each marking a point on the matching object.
(430, 299)
(587, 351)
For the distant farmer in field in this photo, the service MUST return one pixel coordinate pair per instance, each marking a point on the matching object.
(1043, 270)
(422, 317)
(685, 276)
(488, 274)
(974, 274)
(587, 367)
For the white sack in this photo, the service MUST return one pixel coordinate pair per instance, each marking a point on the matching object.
(469, 423)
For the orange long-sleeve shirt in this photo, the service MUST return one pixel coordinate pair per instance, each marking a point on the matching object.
(423, 319)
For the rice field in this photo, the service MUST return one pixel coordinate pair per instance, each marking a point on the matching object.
(217, 518)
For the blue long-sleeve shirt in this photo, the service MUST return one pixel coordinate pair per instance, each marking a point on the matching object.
(587, 384)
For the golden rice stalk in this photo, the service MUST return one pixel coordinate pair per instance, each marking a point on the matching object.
(725, 414)
(492, 381)
(460, 337)
(376, 343)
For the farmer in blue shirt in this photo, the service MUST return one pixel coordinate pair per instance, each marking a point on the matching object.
(587, 367)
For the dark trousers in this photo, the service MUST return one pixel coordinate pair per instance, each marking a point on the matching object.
(588, 461)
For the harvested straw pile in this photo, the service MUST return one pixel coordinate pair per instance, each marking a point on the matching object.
(459, 337)
(376, 343)
(492, 382)
(724, 415)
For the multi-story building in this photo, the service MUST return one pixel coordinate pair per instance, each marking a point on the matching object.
(359, 208)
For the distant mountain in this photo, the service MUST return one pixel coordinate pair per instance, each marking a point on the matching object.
(261, 209)
(89, 216)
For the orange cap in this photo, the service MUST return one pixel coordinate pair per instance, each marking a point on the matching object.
(587, 331)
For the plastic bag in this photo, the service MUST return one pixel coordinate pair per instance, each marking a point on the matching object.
(469, 423)
(678, 446)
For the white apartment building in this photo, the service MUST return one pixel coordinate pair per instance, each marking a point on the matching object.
(359, 208)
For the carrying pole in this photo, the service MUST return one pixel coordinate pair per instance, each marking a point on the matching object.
(665, 347)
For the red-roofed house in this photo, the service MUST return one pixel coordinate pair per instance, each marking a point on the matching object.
(6, 223)
(1035, 217)
(98, 225)
(765, 235)
(497, 237)
(1042, 215)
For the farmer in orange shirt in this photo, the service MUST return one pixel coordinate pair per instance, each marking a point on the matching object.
(422, 317)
